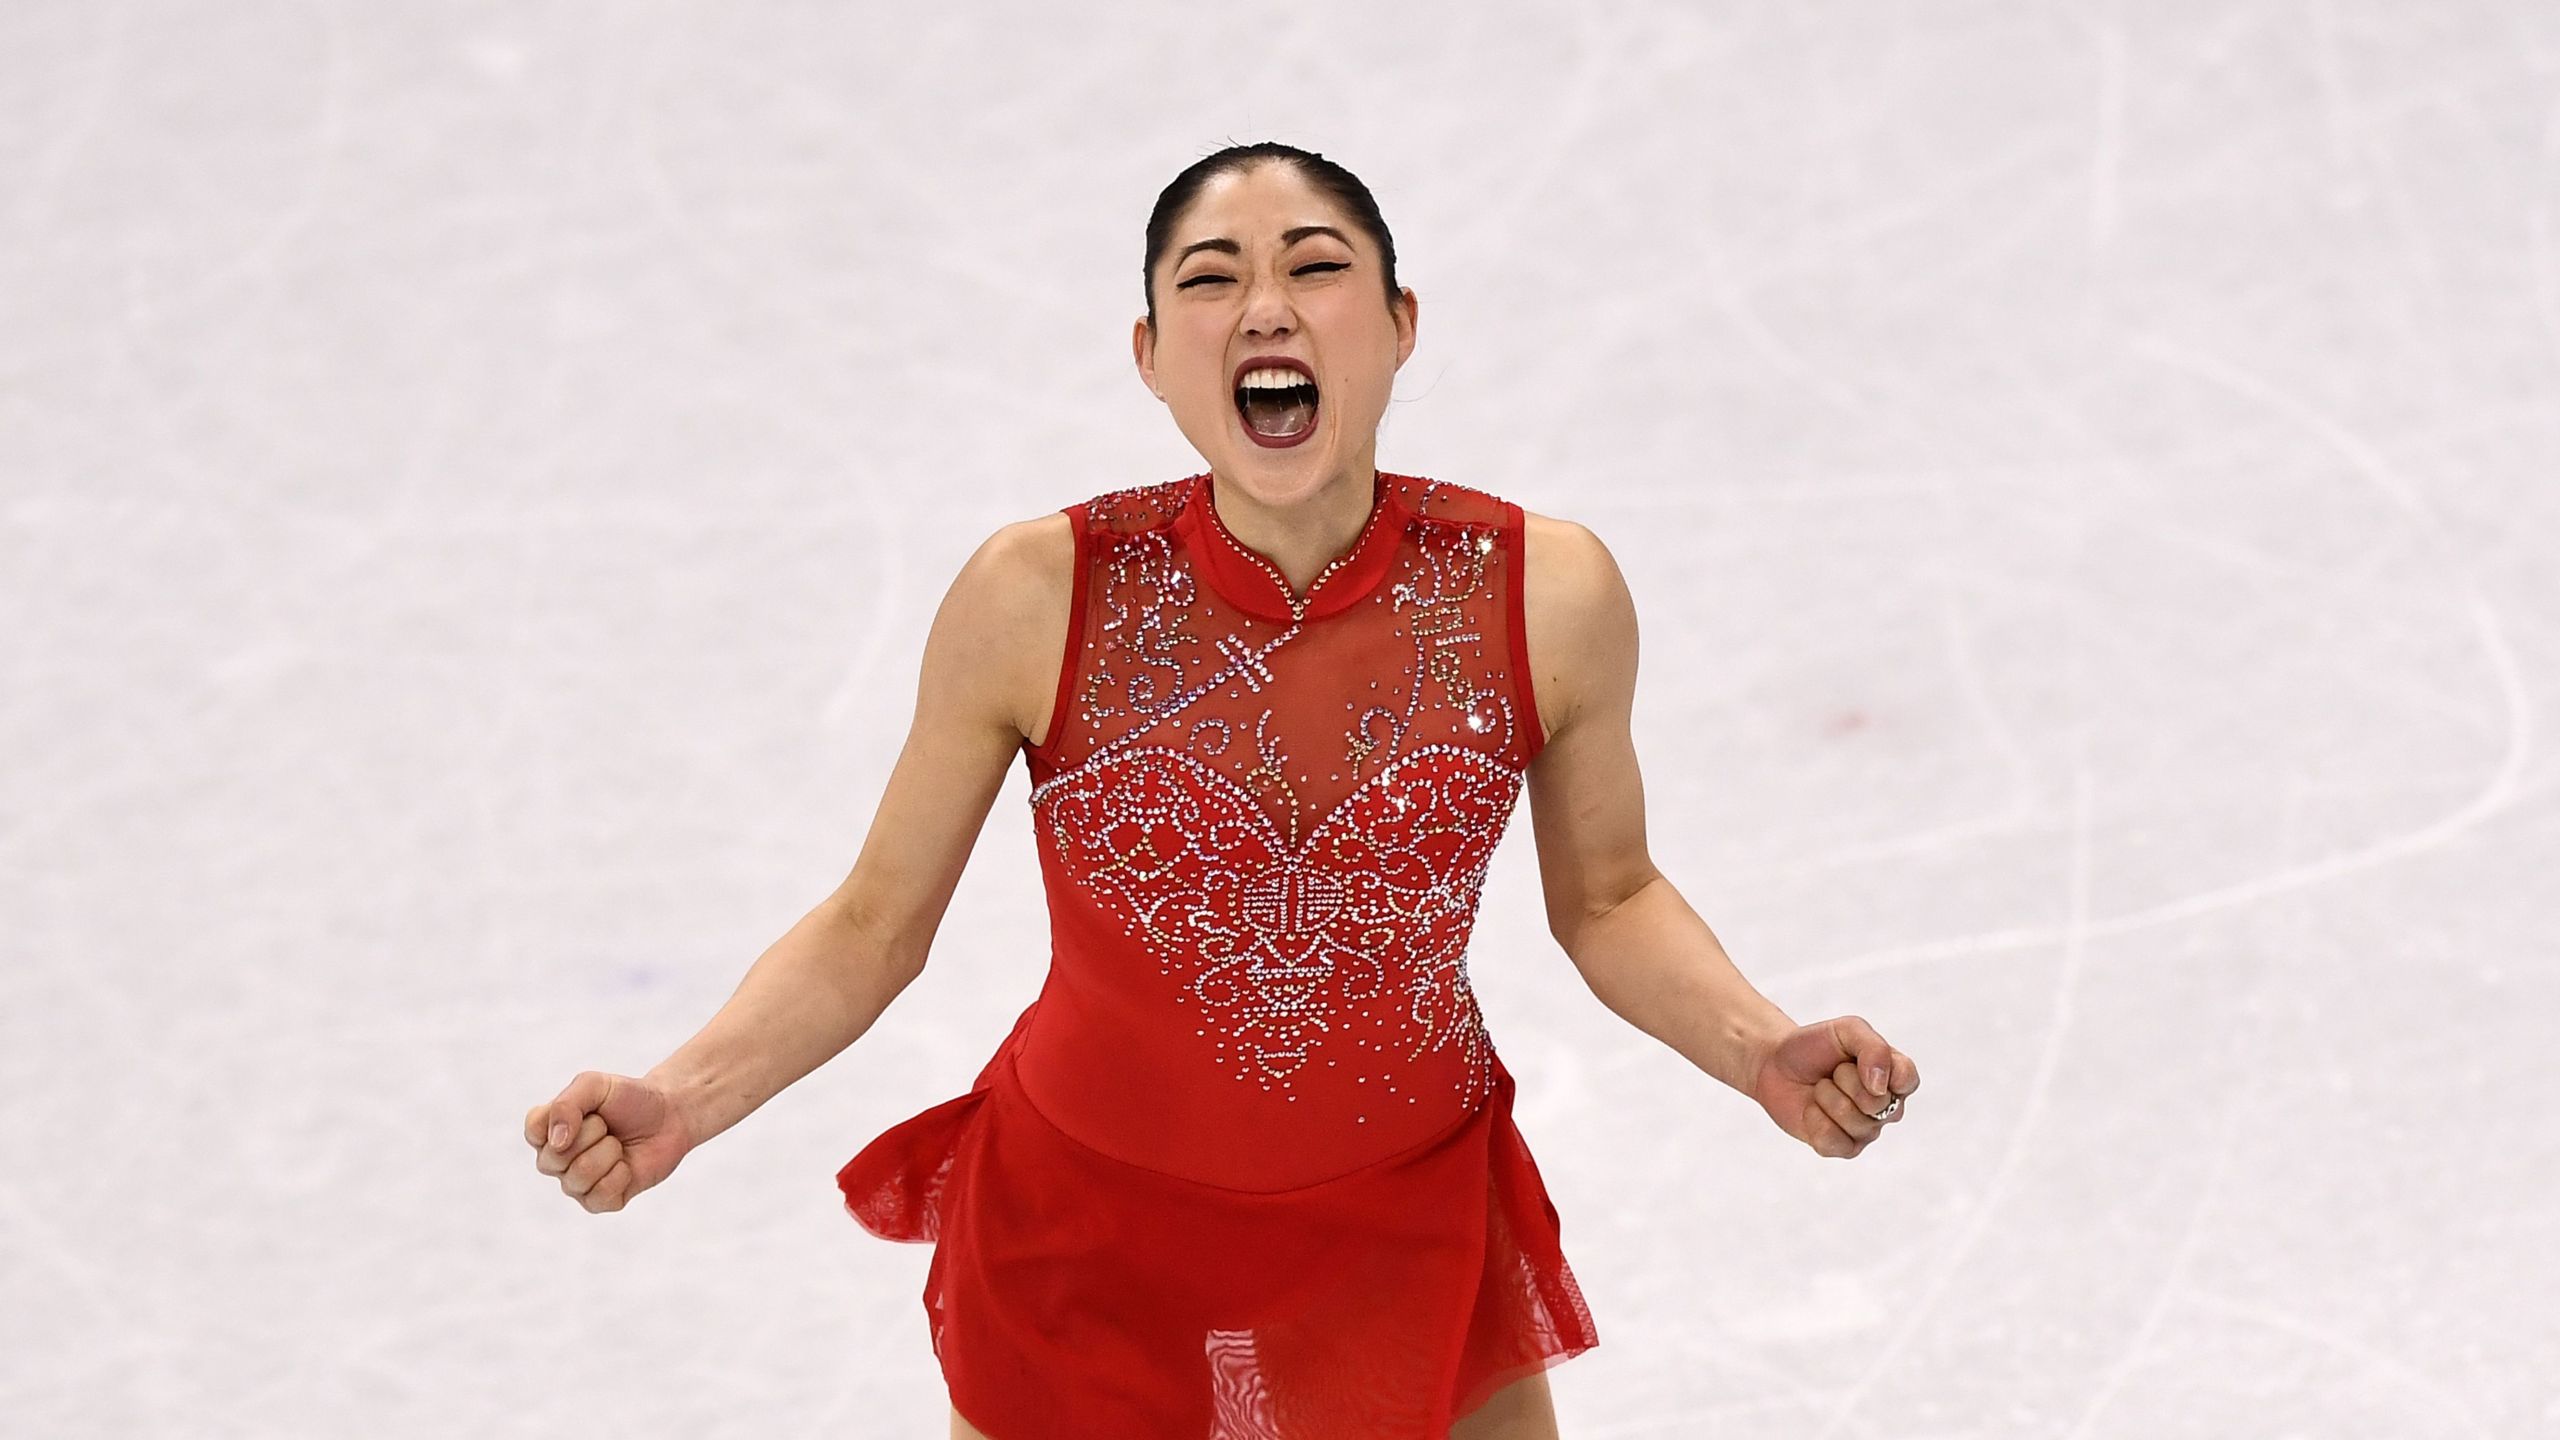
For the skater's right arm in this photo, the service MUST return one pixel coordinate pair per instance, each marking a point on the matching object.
(840, 967)
(985, 686)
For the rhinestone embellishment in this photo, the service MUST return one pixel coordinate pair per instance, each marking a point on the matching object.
(1274, 944)
(1303, 918)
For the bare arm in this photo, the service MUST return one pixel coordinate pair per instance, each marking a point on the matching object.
(821, 986)
(1641, 949)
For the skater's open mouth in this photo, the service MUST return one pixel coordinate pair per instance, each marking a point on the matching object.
(1276, 398)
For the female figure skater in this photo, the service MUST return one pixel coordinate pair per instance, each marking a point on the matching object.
(1246, 1168)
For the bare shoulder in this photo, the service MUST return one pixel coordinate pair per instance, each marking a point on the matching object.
(972, 689)
(1018, 587)
(1580, 618)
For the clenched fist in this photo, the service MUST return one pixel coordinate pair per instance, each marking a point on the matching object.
(608, 1137)
(1835, 1085)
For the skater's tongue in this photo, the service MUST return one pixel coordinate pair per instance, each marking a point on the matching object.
(1280, 411)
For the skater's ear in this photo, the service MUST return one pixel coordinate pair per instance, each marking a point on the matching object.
(1142, 345)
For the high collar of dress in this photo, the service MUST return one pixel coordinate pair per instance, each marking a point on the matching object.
(1248, 580)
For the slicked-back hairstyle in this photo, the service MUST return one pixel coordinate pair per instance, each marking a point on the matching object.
(1338, 184)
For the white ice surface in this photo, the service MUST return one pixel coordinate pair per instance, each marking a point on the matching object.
(474, 480)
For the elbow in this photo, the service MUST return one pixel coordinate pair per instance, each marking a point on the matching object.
(1565, 926)
(1569, 924)
(864, 939)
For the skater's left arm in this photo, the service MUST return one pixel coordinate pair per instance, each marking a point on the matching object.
(1643, 951)
(1639, 946)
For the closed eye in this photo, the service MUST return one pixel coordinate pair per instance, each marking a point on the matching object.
(1301, 270)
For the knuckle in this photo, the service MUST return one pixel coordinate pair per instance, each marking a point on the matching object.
(597, 1162)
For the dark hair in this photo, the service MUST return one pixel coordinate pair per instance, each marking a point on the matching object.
(1338, 184)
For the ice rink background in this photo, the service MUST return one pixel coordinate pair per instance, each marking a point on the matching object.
(477, 478)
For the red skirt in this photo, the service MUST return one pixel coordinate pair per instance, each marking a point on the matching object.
(1074, 1295)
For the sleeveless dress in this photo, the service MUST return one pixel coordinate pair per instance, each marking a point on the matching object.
(1246, 1168)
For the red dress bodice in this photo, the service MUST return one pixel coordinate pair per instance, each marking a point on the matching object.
(1264, 823)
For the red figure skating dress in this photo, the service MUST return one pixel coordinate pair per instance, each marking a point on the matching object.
(1246, 1169)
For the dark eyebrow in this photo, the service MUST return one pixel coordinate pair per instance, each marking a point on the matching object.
(1287, 238)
